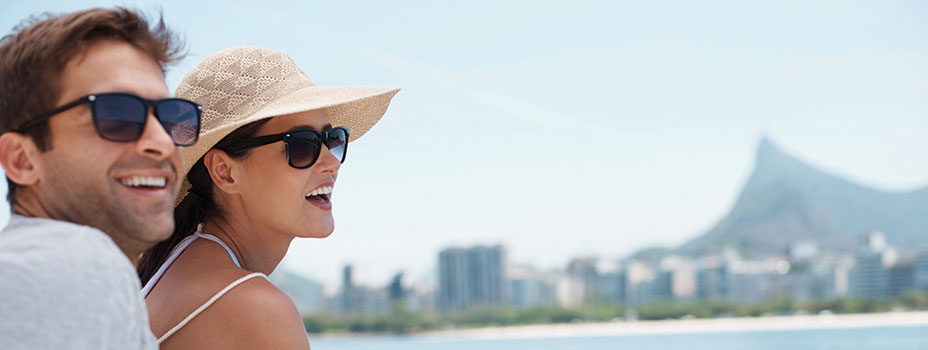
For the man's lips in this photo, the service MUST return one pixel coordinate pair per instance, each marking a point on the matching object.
(150, 183)
(145, 181)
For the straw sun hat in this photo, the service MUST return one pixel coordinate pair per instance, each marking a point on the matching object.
(243, 84)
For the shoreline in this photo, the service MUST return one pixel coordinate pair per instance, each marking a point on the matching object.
(670, 327)
(690, 326)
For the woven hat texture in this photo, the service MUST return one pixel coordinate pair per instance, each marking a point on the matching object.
(243, 84)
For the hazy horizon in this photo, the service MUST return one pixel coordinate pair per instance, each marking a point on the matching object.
(584, 128)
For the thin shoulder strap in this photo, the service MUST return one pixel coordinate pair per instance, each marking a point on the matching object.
(175, 253)
(208, 303)
(208, 236)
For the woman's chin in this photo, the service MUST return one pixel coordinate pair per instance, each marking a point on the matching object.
(315, 234)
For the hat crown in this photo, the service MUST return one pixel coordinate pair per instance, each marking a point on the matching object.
(234, 83)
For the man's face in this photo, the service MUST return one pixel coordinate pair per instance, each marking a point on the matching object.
(88, 180)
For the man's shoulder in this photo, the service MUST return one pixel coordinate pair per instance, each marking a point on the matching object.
(67, 281)
(44, 253)
(40, 241)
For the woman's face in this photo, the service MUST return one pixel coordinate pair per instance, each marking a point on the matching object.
(276, 196)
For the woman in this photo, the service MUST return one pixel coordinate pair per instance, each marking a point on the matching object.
(261, 174)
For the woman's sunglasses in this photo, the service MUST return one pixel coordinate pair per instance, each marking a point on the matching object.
(303, 145)
(121, 117)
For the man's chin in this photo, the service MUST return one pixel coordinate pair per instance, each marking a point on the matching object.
(160, 231)
(150, 229)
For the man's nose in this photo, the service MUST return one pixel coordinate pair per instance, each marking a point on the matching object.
(155, 141)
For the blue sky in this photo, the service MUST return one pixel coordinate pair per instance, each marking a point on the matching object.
(578, 128)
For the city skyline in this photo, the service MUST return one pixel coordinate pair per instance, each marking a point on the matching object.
(482, 278)
(662, 105)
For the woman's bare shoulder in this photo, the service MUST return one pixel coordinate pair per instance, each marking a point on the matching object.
(259, 313)
(259, 294)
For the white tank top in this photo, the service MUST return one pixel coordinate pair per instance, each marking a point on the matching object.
(175, 253)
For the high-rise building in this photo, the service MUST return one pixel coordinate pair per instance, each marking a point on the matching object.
(676, 279)
(568, 290)
(453, 276)
(397, 292)
(355, 299)
(639, 283)
(662, 289)
(921, 271)
(842, 276)
(821, 278)
(583, 271)
(870, 276)
(352, 296)
(529, 288)
(612, 286)
(711, 283)
(901, 277)
(472, 277)
(487, 269)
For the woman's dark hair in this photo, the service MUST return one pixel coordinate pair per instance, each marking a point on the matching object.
(197, 207)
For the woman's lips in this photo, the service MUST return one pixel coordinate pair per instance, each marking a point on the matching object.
(321, 201)
(320, 196)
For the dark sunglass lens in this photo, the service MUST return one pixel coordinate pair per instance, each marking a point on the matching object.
(181, 119)
(337, 143)
(302, 148)
(119, 117)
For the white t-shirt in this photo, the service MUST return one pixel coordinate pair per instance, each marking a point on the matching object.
(67, 286)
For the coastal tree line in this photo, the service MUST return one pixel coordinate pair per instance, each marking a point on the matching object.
(404, 322)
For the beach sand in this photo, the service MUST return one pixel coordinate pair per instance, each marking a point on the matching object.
(689, 326)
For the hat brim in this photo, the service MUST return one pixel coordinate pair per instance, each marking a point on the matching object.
(357, 108)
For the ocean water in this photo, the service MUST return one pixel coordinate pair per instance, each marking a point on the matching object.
(884, 338)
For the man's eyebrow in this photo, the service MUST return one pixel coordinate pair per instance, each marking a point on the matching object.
(327, 127)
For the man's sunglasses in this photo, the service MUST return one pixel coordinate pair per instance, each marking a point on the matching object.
(121, 117)
(303, 145)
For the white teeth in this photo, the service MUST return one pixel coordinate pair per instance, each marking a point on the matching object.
(137, 181)
(320, 191)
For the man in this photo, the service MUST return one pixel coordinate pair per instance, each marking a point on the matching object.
(89, 144)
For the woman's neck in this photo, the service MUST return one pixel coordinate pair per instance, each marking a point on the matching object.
(257, 250)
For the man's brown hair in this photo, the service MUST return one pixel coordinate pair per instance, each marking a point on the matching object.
(34, 55)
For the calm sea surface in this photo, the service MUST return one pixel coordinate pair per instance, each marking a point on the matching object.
(887, 338)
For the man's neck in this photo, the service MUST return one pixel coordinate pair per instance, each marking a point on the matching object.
(32, 208)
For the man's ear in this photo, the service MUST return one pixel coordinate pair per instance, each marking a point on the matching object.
(220, 167)
(18, 156)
